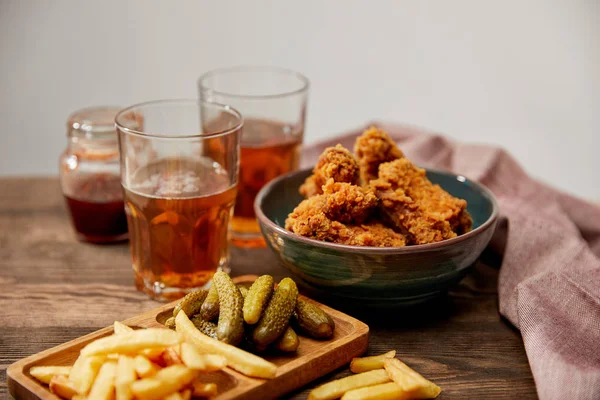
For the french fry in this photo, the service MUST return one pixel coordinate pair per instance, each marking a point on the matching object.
(144, 367)
(410, 381)
(238, 359)
(364, 364)
(170, 357)
(143, 389)
(186, 394)
(125, 375)
(177, 349)
(166, 381)
(383, 391)
(104, 385)
(131, 342)
(44, 374)
(203, 362)
(120, 328)
(204, 389)
(398, 374)
(174, 396)
(61, 386)
(84, 372)
(154, 355)
(335, 389)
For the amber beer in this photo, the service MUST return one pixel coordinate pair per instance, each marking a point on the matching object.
(267, 151)
(178, 213)
(273, 102)
(179, 183)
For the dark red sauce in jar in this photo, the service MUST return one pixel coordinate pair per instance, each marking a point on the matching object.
(97, 209)
(90, 176)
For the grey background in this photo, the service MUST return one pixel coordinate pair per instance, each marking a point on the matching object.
(521, 74)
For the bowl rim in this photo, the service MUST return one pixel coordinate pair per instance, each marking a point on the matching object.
(260, 215)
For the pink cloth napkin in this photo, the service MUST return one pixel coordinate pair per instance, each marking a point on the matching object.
(549, 283)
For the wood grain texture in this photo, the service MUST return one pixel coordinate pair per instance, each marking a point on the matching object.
(312, 359)
(54, 289)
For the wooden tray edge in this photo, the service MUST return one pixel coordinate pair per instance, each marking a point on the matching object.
(22, 386)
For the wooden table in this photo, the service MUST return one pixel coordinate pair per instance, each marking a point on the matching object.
(54, 289)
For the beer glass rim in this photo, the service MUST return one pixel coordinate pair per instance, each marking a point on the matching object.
(304, 81)
(182, 102)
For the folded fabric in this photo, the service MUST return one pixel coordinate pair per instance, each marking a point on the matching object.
(549, 283)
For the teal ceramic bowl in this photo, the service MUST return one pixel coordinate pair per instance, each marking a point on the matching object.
(372, 276)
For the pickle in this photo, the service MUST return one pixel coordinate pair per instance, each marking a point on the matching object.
(170, 323)
(313, 321)
(191, 303)
(243, 291)
(288, 342)
(208, 328)
(259, 295)
(276, 316)
(210, 307)
(230, 328)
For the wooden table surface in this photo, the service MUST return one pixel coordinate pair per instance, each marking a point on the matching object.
(54, 289)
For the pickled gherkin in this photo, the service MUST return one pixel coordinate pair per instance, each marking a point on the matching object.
(243, 291)
(276, 316)
(313, 321)
(258, 297)
(191, 303)
(256, 317)
(230, 328)
(208, 328)
(170, 323)
(288, 342)
(210, 307)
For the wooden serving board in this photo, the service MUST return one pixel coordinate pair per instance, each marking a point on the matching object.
(314, 358)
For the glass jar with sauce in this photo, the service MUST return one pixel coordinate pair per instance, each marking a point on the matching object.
(90, 176)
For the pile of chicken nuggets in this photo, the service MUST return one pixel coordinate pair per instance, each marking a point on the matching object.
(375, 197)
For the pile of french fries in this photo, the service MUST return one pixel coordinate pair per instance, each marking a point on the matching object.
(148, 364)
(381, 377)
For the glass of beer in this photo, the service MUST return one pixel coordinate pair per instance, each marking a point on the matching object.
(179, 171)
(273, 103)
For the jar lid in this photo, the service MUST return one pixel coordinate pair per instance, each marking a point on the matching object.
(93, 122)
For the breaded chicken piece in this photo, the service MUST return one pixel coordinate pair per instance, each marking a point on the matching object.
(372, 148)
(309, 220)
(348, 203)
(407, 217)
(424, 212)
(374, 234)
(336, 163)
(462, 224)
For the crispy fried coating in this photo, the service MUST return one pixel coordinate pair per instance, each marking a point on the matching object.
(349, 204)
(396, 205)
(406, 216)
(310, 187)
(424, 212)
(373, 148)
(309, 220)
(375, 234)
(463, 223)
(335, 162)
